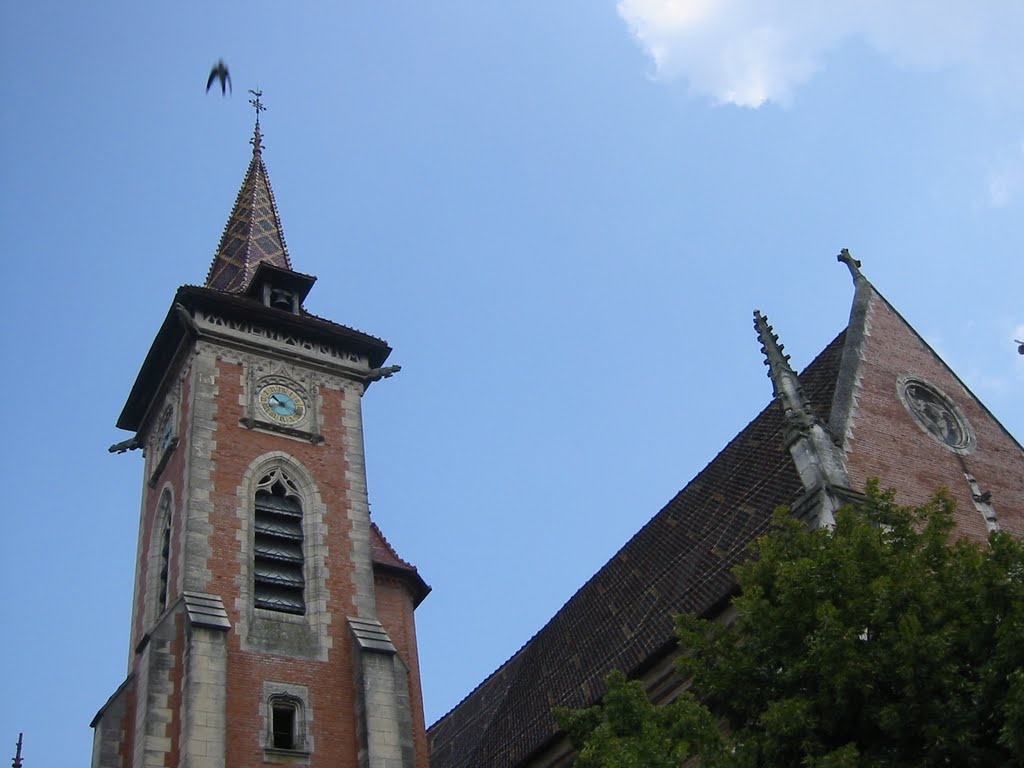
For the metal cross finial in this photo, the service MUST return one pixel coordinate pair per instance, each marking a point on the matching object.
(16, 763)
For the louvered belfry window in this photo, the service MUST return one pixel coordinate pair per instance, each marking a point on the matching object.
(279, 584)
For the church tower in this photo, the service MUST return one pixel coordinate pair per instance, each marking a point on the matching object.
(272, 623)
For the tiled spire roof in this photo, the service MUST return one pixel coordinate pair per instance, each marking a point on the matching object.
(253, 233)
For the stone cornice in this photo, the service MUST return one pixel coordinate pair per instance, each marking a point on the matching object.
(243, 323)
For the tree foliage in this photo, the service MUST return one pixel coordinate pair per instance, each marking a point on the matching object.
(628, 731)
(878, 643)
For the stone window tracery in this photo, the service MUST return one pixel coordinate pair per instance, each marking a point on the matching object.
(935, 413)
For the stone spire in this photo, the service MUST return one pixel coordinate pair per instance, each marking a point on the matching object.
(819, 461)
(253, 233)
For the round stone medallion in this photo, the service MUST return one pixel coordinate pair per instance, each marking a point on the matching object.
(936, 414)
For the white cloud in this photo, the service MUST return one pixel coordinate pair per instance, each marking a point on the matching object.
(748, 52)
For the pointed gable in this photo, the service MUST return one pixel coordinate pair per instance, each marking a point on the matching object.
(889, 373)
(682, 560)
(253, 234)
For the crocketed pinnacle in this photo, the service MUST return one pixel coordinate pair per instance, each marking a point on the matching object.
(253, 233)
(784, 379)
(819, 462)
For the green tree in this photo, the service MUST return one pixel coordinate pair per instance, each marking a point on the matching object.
(880, 642)
(628, 731)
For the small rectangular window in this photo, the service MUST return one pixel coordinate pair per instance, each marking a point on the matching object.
(284, 726)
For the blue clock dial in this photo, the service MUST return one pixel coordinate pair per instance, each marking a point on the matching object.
(282, 404)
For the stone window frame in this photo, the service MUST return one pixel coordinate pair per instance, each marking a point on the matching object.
(903, 381)
(295, 697)
(263, 629)
(286, 707)
(256, 377)
(163, 522)
(282, 519)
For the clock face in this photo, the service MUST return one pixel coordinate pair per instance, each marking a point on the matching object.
(282, 404)
(168, 435)
(165, 429)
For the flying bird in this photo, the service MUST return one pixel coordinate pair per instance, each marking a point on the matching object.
(1021, 347)
(219, 71)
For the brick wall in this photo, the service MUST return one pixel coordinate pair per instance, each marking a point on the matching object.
(886, 442)
(395, 612)
(329, 680)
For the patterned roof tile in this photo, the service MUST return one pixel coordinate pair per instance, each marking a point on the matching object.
(253, 232)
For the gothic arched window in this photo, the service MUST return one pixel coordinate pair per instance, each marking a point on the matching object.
(278, 562)
(164, 562)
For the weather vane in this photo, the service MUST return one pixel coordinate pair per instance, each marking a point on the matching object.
(257, 137)
(257, 104)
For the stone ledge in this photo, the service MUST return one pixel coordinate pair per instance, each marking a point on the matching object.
(206, 610)
(370, 635)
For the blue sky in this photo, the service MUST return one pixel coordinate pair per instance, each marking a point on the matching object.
(560, 214)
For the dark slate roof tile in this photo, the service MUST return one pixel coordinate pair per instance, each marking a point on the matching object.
(680, 561)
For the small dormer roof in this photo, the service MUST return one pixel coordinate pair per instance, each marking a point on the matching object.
(273, 275)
